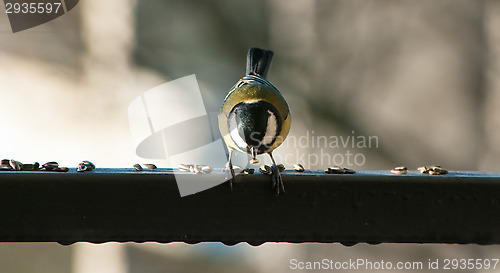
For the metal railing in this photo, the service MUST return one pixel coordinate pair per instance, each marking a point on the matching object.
(368, 206)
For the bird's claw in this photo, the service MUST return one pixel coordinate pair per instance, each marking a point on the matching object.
(277, 180)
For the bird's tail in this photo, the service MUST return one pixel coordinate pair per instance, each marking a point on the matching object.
(259, 61)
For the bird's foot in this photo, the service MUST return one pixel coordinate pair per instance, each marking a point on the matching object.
(277, 181)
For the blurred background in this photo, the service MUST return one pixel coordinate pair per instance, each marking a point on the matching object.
(420, 76)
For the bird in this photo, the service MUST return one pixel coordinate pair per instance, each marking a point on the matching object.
(255, 117)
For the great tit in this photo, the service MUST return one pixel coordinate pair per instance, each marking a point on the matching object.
(255, 118)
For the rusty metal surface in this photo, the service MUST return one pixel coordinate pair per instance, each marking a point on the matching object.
(369, 206)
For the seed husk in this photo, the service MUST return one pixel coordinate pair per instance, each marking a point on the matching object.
(423, 169)
(184, 168)
(249, 171)
(334, 170)
(138, 167)
(437, 170)
(150, 166)
(348, 171)
(61, 169)
(339, 170)
(82, 168)
(197, 169)
(254, 161)
(265, 169)
(206, 169)
(400, 170)
(298, 168)
(5, 165)
(16, 165)
(29, 167)
(90, 164)
(281, 168)
(50, 166)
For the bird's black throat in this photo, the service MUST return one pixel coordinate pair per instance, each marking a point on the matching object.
(258, 124)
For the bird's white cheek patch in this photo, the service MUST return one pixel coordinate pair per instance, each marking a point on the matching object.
(271, 128)
(233, 131)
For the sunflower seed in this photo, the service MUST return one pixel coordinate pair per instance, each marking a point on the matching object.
(206, 169)
(50, 166)
(437, 170)
(184, 168)
(298, 168)
(400, 170)
(85, 166)
(423, 169)
(16, 165)
(249, 171)
(334, 170)
(90, 164)
(197, 169)
(30, 167)
(82, 168)
(348, 171)
(137, 167)
(281, 168)
(265, 169)
(61, 169)
(150, 166)
(5, 165)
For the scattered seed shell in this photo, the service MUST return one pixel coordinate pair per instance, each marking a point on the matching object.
(206, 169)
(197, 169)
(265, 169)
(298, 168)
(82, 168)
(249, 171)
(334, 170)
(150, 166)
(184, 168)
(423, 169)
(254, 161)
(348, 171)
(281, 168)
(16, 165)
(50, 166)
(61, 169)
(138, 167)
(5, 165)
(86, 162)
(29, 167)
(339, 170)
(437, 170)
(400, 170)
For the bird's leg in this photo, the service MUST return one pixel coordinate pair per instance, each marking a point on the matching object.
(276, 177)
(253, 153)
(230, 166)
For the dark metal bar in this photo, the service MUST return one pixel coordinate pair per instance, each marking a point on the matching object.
(369, 206)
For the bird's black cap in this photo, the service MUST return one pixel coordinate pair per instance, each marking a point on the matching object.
(259, 61)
